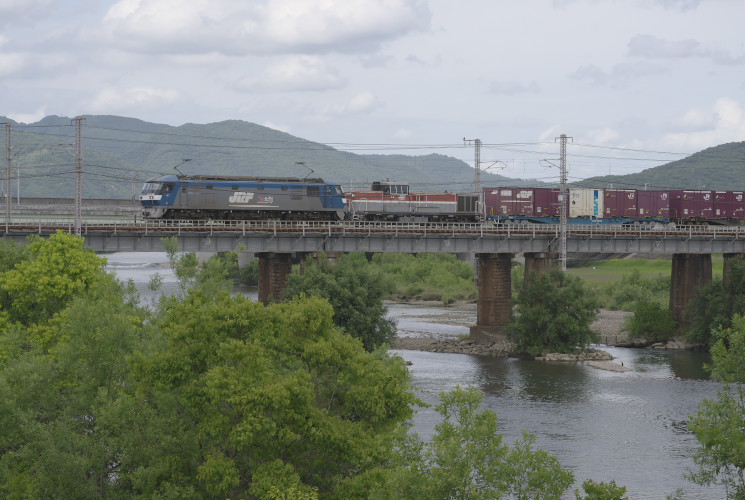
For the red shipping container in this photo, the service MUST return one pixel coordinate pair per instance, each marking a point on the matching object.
(505, 201)
(621, 203)
(729, 205)
(653, 204)
(546, 202)
(691, 204)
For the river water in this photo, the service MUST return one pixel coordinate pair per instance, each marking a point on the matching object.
(624, 426)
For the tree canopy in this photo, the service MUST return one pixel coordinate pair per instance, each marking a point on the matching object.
(209, 395)
(716, 304)
(553, 313)
(354, 290)
(466, 459)
(719, 423)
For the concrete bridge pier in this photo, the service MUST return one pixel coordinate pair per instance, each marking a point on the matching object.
(690, 273)
(494, 305)
(274, 268)
(540, 262)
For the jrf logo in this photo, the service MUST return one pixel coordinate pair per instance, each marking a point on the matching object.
(241, 198)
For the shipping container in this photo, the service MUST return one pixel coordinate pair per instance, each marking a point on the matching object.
(586, 203)
(621, 203)
(506, 201)
(546, 202)
(729, 205)
(653, 204)
(691, 204)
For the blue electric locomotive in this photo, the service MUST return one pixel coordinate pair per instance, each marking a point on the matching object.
(199, 197)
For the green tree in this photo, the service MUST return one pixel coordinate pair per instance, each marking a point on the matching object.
(54, 442)
(601, 491)
(553, 313)
(466, 459)
(52, 273)
(716, 304)
(355, 291)
(11, 253)
(650, 320)
(719, 422)
(216, 273)
(247, 396)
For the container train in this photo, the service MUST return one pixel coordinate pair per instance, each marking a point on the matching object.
(201, 197)
(615, 206)
(257, 198)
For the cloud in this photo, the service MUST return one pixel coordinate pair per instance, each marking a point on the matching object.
(262, 26)
(726, 123)
(681, 5)
(24, 65)
(300, 73)
(695, 119)
(651, 47)
(620, 76)
(403, 133)
(513, 88)
(602, 136)
(15, 12)
(34, 117)
(134, 98)
(362, 103)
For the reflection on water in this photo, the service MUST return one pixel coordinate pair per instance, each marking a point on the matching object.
(629, 427)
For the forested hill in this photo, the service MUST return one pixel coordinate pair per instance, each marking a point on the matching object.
(117, 150)
(718, 168)
(120, 153)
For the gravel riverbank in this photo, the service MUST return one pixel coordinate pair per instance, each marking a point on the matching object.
(608, 324)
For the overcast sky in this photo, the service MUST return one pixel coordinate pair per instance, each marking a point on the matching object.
(415, 76)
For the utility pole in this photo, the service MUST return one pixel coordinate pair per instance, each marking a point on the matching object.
(8, 168)
(477, 167)
(563, 202)
(134, 186)
(78, 175)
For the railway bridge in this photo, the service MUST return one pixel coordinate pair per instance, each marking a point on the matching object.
(276, 243)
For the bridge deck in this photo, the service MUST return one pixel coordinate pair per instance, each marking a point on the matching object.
(126, 234)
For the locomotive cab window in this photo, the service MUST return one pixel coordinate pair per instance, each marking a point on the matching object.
(157, 188)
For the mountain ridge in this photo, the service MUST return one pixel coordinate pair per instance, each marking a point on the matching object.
(119, 153)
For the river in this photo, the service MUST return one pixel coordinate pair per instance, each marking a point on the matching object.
(624, 426)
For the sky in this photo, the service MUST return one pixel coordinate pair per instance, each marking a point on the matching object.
(632, 83)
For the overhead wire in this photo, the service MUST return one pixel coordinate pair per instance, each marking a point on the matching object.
(522, 148)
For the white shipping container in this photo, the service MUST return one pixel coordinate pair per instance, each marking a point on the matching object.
(586, 203)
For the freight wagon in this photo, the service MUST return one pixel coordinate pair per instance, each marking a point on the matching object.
(615, 206)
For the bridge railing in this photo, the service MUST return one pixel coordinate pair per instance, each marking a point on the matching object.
(114, 225)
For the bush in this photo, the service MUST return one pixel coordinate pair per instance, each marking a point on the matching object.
(553, 312)
(650, 320)
(634, 288)
(427, 277)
